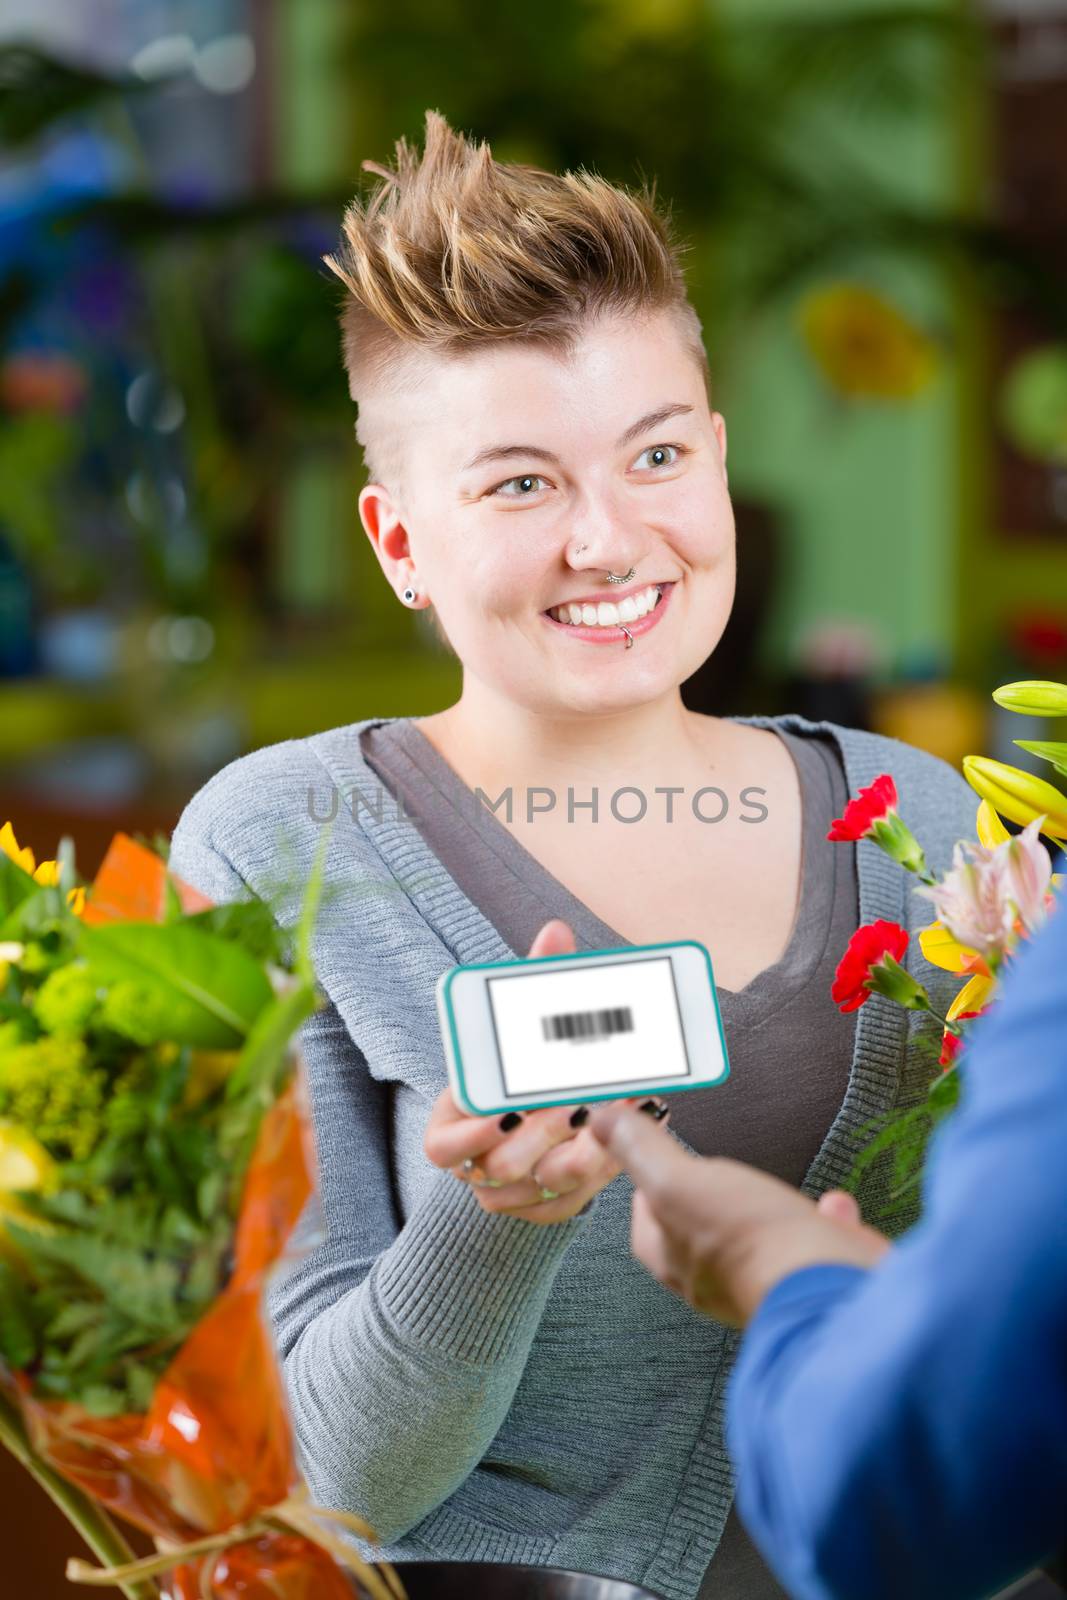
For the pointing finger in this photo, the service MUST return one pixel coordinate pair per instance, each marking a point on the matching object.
(646, 1152)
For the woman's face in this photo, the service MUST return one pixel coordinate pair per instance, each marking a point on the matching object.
(516, 459)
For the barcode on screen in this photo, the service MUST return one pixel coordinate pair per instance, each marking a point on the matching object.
(582, 1026)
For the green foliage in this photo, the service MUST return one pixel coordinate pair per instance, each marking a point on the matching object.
(66, 1000)
(198, 989)
(53, 1087)
(1054, 750)
(902, 1143)
(15, 887)
(106, 1268)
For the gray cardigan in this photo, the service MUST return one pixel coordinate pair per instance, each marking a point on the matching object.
(480, 1387)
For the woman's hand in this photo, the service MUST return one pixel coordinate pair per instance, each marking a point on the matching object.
(541, 1165)
(719, 1233)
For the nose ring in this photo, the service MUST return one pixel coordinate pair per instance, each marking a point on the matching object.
(612, 578)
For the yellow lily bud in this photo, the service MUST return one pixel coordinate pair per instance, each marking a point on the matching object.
(1018, 795)
(991, 831)
(1033, 697)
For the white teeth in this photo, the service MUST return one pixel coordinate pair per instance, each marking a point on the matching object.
(607, 615)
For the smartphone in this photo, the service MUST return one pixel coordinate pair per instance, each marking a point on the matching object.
(589, 1025)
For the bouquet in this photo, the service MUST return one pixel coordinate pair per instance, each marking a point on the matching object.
(155, 1154)
(997, 893)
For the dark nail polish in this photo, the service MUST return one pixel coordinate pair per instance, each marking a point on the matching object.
(580, 1117)
(655, 1108)
(512, 1120)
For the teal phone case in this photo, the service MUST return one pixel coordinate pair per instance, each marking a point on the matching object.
(574, 955)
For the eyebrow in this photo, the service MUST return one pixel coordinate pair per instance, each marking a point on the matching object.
(505, 452)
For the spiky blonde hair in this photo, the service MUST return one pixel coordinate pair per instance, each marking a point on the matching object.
(457, 251)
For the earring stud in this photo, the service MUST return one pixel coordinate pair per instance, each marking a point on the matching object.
(409, 595)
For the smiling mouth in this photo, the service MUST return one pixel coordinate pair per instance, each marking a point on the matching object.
(633, 607)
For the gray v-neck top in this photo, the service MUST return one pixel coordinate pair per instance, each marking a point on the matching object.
(790, 1048)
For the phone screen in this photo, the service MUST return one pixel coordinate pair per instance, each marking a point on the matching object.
(566, 1028)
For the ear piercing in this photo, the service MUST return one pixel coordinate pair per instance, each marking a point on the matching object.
(410, 594)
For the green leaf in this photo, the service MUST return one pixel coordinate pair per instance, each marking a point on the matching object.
(944, 1092)
(249, 923)
(144, 1290)
(102, 1400)
(264, 1051)
(140, 1385)
(18, 1340)
(208, 993)
(15, 886)
(1054, 750)
(75, 1318)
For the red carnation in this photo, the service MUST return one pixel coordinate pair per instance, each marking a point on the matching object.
(868, 946)
(952, 1043)
(869, 807)
(873, 815)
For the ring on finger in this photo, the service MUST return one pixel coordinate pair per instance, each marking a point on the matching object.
(476, 1176)
(546, 1194)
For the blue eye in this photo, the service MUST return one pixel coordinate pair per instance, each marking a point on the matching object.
(660, 449)
(527, 477)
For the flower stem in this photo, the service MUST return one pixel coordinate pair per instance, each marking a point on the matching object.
(93, 1523)
(951, 1027)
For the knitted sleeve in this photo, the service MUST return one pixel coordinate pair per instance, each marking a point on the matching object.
(402, 1345)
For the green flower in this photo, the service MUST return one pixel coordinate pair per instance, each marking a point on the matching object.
(127, 1114)
(35, 958)
(135, 1010)
(52, 1089)
(11, 1035)
(66, 1001)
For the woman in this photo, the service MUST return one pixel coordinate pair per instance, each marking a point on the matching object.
(475, 1362)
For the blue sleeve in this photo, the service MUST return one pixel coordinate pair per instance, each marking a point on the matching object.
(903, 1431)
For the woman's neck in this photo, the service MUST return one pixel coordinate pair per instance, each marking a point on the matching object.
(496, 744)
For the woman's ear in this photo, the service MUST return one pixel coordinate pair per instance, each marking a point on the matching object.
(382, 521)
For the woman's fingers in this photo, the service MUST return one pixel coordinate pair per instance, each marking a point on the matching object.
(528, 1202)
(452, 1135)
(570, 1164)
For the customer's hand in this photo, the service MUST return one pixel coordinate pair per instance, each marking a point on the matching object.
(520, 1158)
(720, 1233)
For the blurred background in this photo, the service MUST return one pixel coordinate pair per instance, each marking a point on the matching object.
(876, 200)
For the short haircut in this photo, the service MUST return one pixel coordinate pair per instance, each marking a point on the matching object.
(456, 252)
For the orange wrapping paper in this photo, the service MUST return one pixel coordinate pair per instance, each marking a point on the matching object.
(215, 1446)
